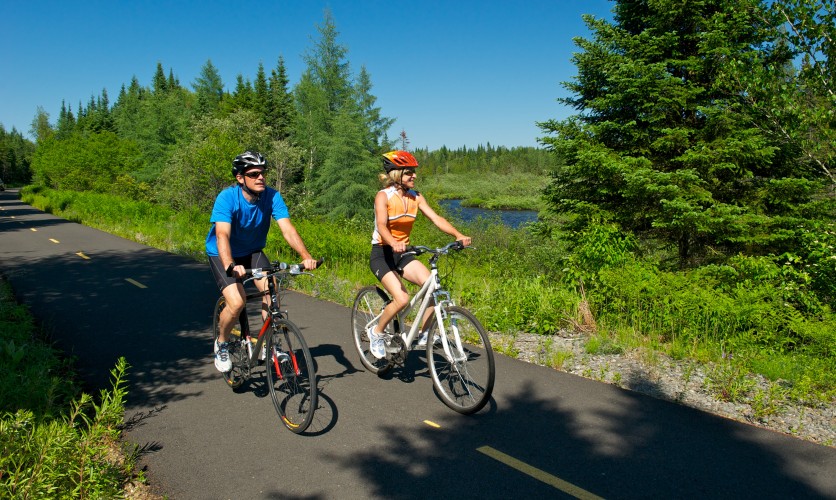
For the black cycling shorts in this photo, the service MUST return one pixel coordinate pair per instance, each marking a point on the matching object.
(251, 261)
(384, 260)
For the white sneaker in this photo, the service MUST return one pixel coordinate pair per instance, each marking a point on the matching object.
(376, 344)
(222, 361)
(422, 340)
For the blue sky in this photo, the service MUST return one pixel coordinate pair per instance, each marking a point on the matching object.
(458, 73)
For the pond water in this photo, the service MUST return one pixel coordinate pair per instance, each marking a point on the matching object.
(511, 218)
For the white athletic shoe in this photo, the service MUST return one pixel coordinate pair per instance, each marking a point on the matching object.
(376, 344)
(222, 361)
(422, 340)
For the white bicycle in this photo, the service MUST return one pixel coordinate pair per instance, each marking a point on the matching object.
(459, 355)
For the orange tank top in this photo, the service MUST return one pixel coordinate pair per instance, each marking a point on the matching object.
(402, 212)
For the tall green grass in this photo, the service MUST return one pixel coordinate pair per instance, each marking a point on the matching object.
(489, 190)
(525, 280)
(55, 441)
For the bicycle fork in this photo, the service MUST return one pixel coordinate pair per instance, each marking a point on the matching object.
(283, 358)
(455, 354)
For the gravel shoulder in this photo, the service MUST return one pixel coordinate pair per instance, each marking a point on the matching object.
(683, 382)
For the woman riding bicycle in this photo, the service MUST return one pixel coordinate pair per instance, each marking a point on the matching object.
(396, 207)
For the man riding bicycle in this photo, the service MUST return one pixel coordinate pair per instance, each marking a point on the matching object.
(235, 242)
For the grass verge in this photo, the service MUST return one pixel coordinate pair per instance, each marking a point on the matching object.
(55, 441)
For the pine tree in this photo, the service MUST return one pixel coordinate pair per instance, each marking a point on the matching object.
(172, 83)
(209, 89)
(404, 140)
(376, 125)
(160, 83)
(260, 96)
(659, 146)
(282, 111)
(328, 66)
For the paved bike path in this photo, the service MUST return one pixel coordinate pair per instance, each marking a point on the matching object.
(544, 434)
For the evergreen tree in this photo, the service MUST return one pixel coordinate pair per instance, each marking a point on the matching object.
(404, 140)
(282, 112)
(160, 84)
(209, 89)
(658, 146)
(328, 66)
(345, 185)
(15, 156)
(261, 97)
(66, 122)
(243, 96)
(375, 124)
(331, 129)
(173, 83)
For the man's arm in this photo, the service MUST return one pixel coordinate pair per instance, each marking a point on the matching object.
(223, 230)
(293, 239)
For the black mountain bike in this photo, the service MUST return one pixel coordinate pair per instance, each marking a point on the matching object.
(278, 345)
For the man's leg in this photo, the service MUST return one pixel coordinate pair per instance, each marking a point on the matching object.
(235, 299)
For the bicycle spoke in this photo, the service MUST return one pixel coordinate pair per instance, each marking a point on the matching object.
(291, 376)
(463, 378)
(367, 307)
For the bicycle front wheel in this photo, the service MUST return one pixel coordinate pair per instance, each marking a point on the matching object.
(237, 349)
(463, 378)
(291, 376)
(368, 305)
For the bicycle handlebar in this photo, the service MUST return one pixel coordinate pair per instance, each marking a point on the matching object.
(276, 267)
(420, 249)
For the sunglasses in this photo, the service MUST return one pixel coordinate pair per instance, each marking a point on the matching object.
(409, 171)
(254, 175)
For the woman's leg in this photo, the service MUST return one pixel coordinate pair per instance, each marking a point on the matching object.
(416, 272)
(400, 298)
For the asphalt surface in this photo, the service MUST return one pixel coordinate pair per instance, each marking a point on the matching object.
(545, 434)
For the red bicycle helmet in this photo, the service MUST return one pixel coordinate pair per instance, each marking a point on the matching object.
(395, 160)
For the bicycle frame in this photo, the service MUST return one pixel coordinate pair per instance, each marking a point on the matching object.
(273, 311)
(431, 289)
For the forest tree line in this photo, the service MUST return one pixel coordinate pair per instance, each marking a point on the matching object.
(703, 131)
(689, 200)
(173, 144)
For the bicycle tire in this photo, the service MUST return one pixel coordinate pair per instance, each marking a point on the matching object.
(291, 376)
(237, 350)
(367, 305)
(465, 385)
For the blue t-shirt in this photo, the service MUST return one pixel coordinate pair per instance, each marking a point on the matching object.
(250, 221)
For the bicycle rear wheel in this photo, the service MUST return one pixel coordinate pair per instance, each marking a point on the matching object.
(291, 376)
(462, 379)
(368, 304)
(237, 349)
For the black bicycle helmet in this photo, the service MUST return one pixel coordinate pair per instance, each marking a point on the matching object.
(247, 160)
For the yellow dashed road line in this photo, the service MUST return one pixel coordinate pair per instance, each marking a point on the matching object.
(432, 424)
(135, 283)
(54, 240)
(81, 254)
(538, 474)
